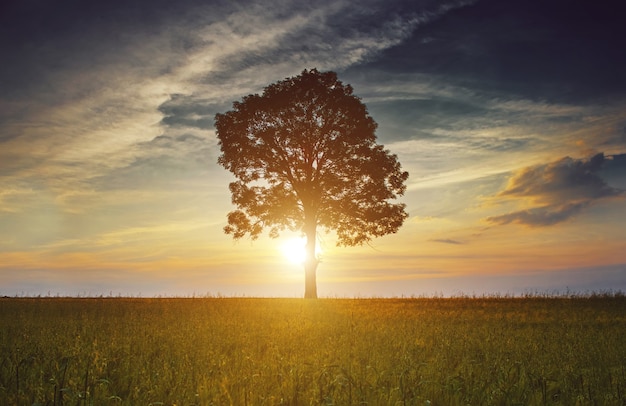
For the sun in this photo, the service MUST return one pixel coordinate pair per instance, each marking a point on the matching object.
(294, 250)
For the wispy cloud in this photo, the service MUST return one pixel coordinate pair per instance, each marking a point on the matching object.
(96, 100)
(447, 241)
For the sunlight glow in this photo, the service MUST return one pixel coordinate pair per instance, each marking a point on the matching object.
(294, 250)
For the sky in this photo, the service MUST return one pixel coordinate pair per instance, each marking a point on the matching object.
(510, 118)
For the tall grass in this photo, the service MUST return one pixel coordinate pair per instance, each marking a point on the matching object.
(220, 351)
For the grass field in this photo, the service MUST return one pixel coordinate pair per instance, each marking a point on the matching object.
(239, 351)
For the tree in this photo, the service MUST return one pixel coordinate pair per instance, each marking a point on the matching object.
(304, 154)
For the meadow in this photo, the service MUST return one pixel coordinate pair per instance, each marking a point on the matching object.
(247, 351)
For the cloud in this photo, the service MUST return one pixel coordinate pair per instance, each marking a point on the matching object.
(168, 162)
(188, 111)
(614, 170)
(531, 48)
(540, 216)
(106, 112)
(85, 100)
(447, 241)
(556, 191)
(445, 130)
(565, 179)
(257, 45)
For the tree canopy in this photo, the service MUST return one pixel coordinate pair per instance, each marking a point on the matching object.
(304, 155)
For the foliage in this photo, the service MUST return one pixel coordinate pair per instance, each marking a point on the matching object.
(305, 154)
(218, 351)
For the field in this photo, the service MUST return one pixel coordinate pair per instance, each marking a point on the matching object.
(240, 351)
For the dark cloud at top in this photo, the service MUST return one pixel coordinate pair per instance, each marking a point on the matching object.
(31, 22)
(552, 50)
(44, 40)
(558, 190)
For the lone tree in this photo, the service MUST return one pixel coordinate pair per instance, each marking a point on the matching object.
(305, 155)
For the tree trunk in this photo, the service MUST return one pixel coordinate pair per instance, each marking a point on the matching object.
(310, 284)
(310, 263)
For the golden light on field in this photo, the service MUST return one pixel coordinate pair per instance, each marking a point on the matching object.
(311, 338)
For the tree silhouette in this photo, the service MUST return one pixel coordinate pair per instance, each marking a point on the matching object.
(304, 154)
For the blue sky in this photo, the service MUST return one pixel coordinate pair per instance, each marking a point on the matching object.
(509, 116)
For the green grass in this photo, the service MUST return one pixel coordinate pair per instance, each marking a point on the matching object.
(221, 351)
